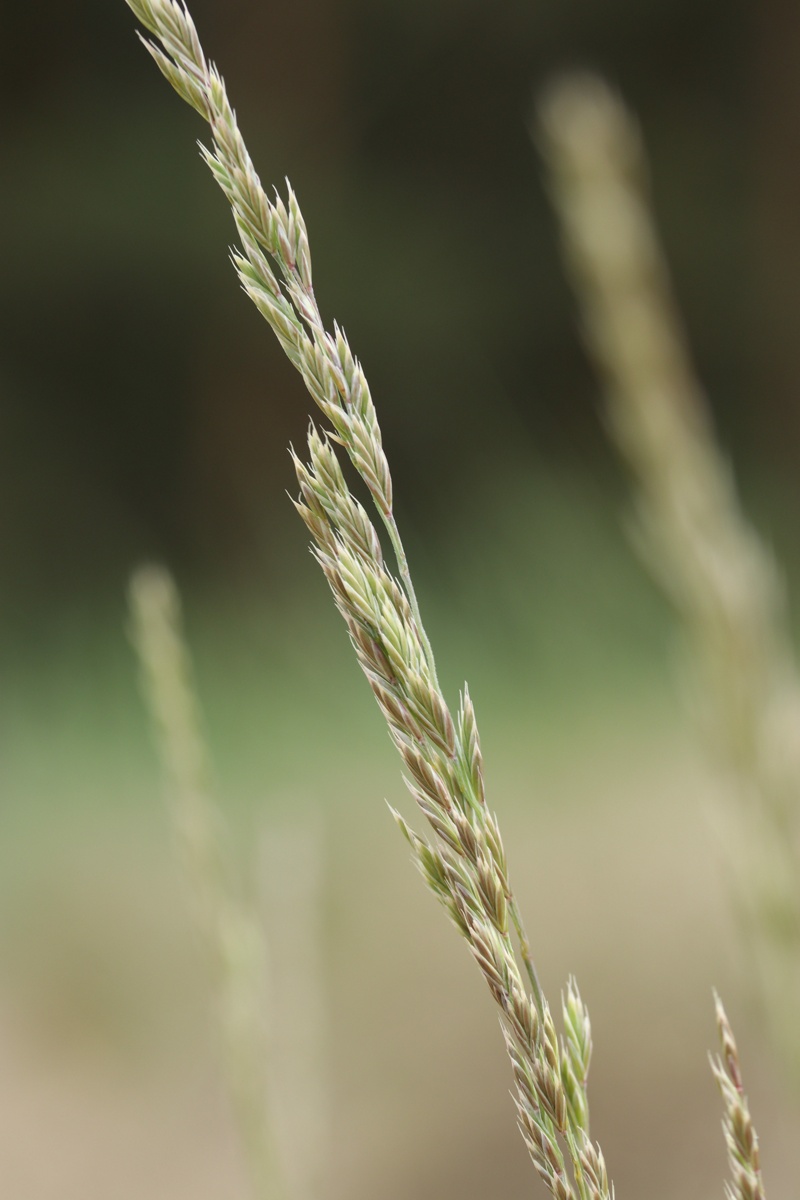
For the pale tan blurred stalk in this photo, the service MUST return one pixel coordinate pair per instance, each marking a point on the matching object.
(689, 526)
(231, 933)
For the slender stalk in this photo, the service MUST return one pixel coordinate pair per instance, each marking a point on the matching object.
(526, 954)
(405, 578)
(690, 530)
(232, 936)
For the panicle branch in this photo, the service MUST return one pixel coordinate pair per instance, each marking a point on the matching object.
(274, 266)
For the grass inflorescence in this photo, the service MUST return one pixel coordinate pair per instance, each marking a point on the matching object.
(461, 856)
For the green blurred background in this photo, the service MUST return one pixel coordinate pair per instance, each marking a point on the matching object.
(145, 411)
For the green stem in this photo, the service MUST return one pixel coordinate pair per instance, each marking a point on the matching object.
(405, 578)
(577, 1168)
(525, 953)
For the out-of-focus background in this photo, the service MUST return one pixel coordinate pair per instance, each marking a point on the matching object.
(145, 413)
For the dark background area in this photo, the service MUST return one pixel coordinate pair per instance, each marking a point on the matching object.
(145, 408)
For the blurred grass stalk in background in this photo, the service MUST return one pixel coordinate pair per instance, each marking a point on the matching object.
(463, 863)
(263, 1072)
(689, 528)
